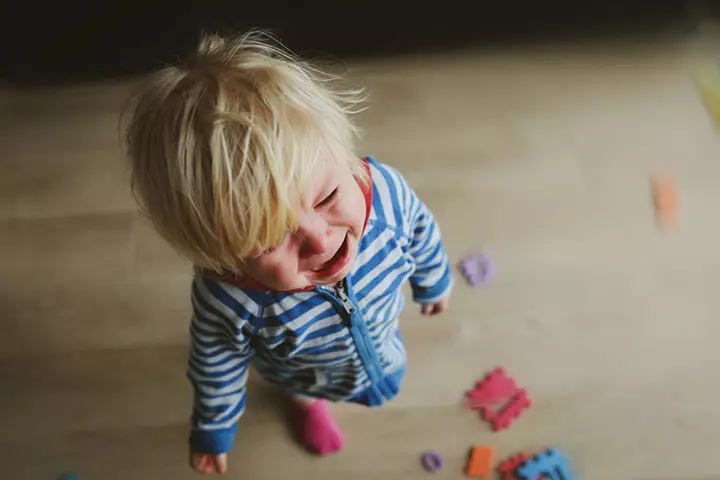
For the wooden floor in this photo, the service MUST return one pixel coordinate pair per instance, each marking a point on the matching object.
(541, 155)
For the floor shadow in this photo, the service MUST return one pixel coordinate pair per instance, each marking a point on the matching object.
(113, 39)
(287, 411)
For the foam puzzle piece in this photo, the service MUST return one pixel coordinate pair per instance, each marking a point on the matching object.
(495, 388)
(432, 461)
(68, 476)
(477, 268)
(549, 465)
(480, 462)
(708, 80)
(665, 197)
(507, 467)
(502, 418)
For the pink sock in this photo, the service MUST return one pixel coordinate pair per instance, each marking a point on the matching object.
(319, 431)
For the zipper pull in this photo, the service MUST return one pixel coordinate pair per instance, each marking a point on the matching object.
(341, 286)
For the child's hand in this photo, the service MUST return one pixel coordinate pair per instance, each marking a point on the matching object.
(435, 308)
(206, 463)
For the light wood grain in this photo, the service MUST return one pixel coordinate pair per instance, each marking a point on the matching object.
(541, 155)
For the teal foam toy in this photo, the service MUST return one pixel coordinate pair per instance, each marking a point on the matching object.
(550, 465)
(68, 476)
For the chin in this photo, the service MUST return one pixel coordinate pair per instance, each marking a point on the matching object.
(335, 278)
(341, 274)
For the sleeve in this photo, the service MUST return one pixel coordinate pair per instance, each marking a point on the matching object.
(432, 279)
(219, 359)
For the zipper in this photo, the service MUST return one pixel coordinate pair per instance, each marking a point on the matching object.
(360, 334)
(340, 290)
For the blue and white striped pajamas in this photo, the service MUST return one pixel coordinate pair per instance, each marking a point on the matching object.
(339, 343)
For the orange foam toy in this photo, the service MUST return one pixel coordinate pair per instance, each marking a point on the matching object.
(666, 200)
(481, 460)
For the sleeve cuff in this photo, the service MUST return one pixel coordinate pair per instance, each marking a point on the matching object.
(213, 442)
(426, 295)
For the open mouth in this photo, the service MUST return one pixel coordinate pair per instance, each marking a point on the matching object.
(336, 263)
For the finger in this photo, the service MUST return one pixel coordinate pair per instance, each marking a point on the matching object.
(220, 463)
(426, 309)
(201, 463)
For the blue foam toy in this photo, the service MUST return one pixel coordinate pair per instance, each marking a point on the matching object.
(550, 465)
(68, 476)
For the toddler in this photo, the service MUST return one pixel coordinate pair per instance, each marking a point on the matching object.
(242, 157)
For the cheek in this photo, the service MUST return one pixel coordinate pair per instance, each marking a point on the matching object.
(352, 209)
(283, 272)
(276, 273)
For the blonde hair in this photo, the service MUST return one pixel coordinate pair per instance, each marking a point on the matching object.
(222, 146)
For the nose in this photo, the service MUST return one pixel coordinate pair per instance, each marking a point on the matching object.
(314, 233)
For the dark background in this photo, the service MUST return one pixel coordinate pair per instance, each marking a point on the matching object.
(46, 43)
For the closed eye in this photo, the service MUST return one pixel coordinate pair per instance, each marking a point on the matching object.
(267, 250)
(327, 199)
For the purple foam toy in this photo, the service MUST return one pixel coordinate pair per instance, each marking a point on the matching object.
(477, 268)
(432, 461)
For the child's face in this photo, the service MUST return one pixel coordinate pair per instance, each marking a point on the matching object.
(322, 249)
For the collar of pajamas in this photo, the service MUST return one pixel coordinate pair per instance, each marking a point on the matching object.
(339, 343)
